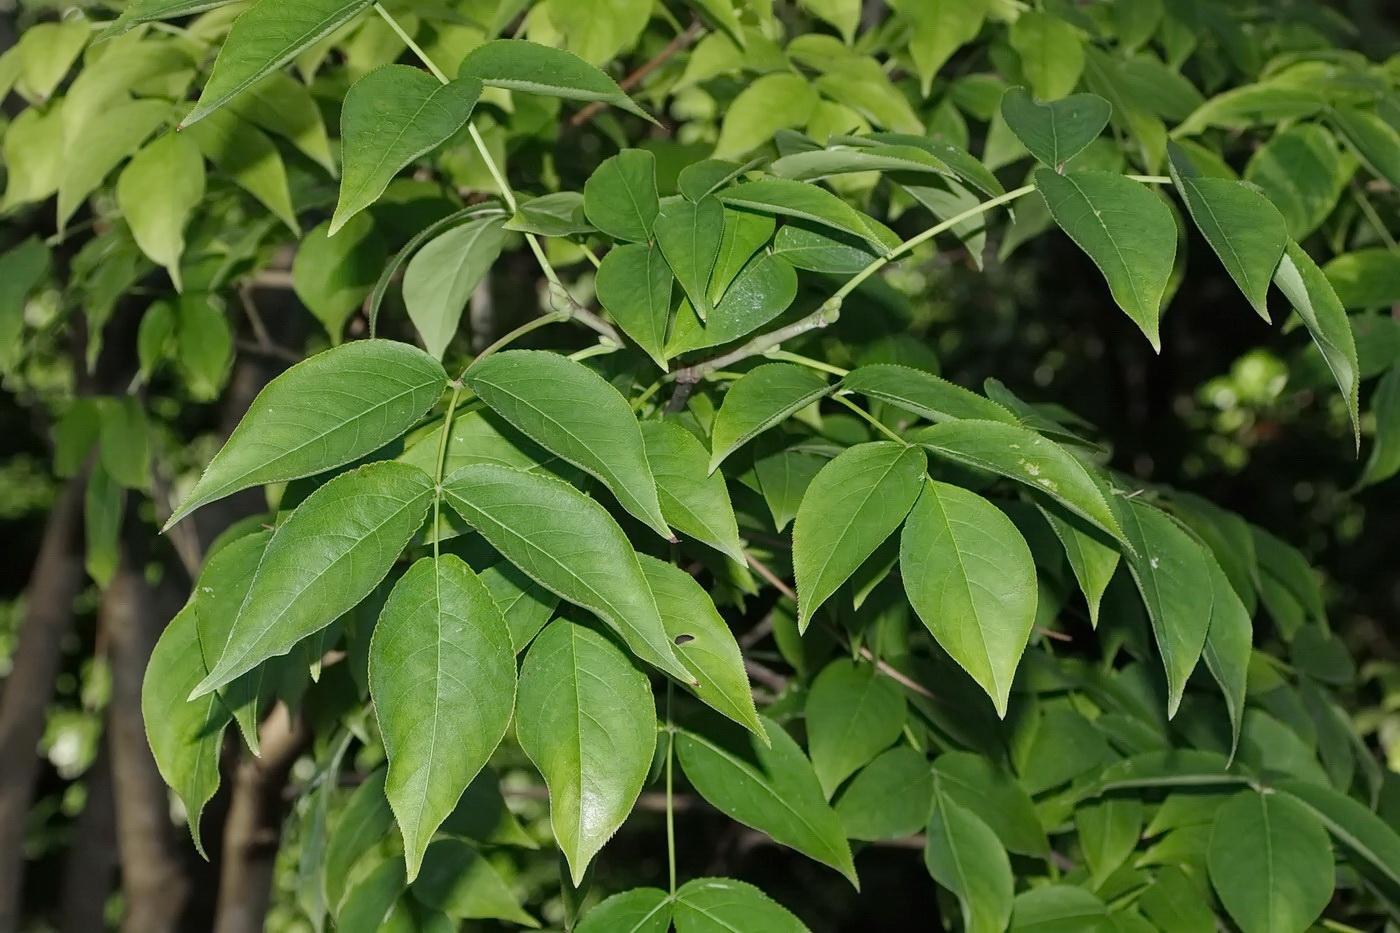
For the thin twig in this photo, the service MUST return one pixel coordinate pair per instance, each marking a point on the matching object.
(632, 80)
(823, 317)
(770, 576)
(766, 676)
(895, 675)
(272, 350)
(756, 634)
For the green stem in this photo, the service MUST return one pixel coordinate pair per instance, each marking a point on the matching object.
(1372, 217)
(441, 463)
(408, 40)
(778, 354)
(875, 422)
(670, 800)
(544, 320)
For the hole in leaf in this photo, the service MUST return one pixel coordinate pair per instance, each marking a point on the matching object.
(683, 639)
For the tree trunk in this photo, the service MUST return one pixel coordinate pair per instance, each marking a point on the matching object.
(48, 617)
(253, 830)
(92, 857)
(152, 877)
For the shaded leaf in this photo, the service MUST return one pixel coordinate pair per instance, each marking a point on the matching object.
(634, 285)
(694, 501)
(1058, 130)
(853, 713)
(763, 397)
(442, 276)
(620, 198)
(1311, 295)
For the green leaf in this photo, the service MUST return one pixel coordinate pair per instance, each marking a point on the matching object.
(634, 286)
(640, 910)
(694, 501)
(569, 544)
(783, 478)
(365, 820)
(1246, 231)
(1022, 455)
(971, 579)
(1270, 862)
(620, 197)
(853, 714)
(518, 65)
(769, 103)
(557, 214)
(890, 798)
(283, 106)
(442, 675)
(262, 40)
(763, 397)
(1109, 828)
(940, 27)
(46, 53)
(149, 11)
(1173, 576)
(392, 267)
(322, 560)
(703, 641)
(772, 789)
(113, 134)
(1126, 229)
(1311, 295)
(157, 192)
(1060, 908)
(853, 505)
(525, 605)
(333, 275)
(322, 413)
(1375, 141)
(764, 288)
(965, 856)
(463, 884)
(744, 235)
(1384, 460)
(821, 249)
(1052, 53)
(1246, 106)
(1058, 130)
(689, 234)
(246, 154)
(391, 117)
(843, 14)
(989, 791)
(1371, 844)
(31, 139)
(1302, 172)
(923, 393)
(1366, 278)
(808, 202)
(1092, 558)
(824, 163)
(22, 268)
(1227, 649)
(543, 393)
(223, 585)
(442, 276)
(722, 905)
(585, 717)
(707, 176)
(371, 895)
(185, 735)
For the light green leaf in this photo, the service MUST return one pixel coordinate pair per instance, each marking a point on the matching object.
(843, 14)
(46, 52)
(1384, 460)
(1109, 828)
(245, 153)
(185, 735)
(808, 202)
(640, 910)
(620, 197)
(853, 713)
(703, 641)
(772, 789)
(262, 40)
(1303, 172)
(962, 163)
(1246, 231)
(157, 192)
(22, 268)
(32, 173)
(390, 272)
(709, 175)
(1173, 576)
(543, 394)
(971, 579)
(148, 11)
(989, 791)
(823, 163)
(557, 214)
(1250, 105)
(1022, 455)
(763, 397)
(940, 27)
(634, 286)
(103, 143)
(441, 277)
(391, 117)
(282, 105)
(333, 275)
(1270, 862)
(586, 718)
(1060, 908)
(1058, 130)
(965, 856)
(1373, 139)
(569, 544)
(442, 675)
(463, 884)
(1366, 278)
(518, 65)
(770, 103)
(103, 505)
(1125, 229)
(1228, 643)
(890, 798)
(722, 905)
(764, 288)
(1311, 295)
(923, 393)
(689, 234)
(693, 500)
(1092, 557)
(853, 505)
(322, 413)
(223, 585)
(322, 560)
(1370, 844)
(1052, 53)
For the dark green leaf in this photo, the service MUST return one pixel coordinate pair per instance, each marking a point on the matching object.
(765, 396)
(620, 198)
(890, 798)
(694, 501)
(722, 905)
(853, 714)
(1058, 130)
(808, 202)
(640, 910)
(965, 856)
(459, 881)
(1311, 295)
(634, 285)
(518, 65)
(689, 234)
